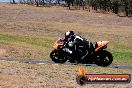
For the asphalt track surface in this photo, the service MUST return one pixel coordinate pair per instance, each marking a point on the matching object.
(67, 63)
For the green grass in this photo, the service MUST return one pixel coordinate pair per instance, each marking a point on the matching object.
(43, 42)
(122, 52)
(124, 58)
(37, 48)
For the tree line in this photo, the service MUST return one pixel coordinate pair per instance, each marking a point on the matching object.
(115, 6)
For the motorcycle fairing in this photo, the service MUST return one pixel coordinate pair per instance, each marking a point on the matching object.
(101, 44)
(58, 43)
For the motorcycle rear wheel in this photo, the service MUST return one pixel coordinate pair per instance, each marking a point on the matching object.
(104, 58)
(57, 57)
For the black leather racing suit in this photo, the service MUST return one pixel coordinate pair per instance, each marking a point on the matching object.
(75, 42)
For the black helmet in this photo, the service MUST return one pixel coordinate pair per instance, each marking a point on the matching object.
(68, 34)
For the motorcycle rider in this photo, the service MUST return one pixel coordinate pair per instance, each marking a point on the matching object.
(75, 41)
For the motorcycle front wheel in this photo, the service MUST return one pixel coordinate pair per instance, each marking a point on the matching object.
(57, 57)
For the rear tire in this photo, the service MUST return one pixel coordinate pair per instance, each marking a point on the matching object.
(104, 58)
(57, 57)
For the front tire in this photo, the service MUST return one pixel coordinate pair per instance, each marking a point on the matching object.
(104, 58)
(57, 57)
